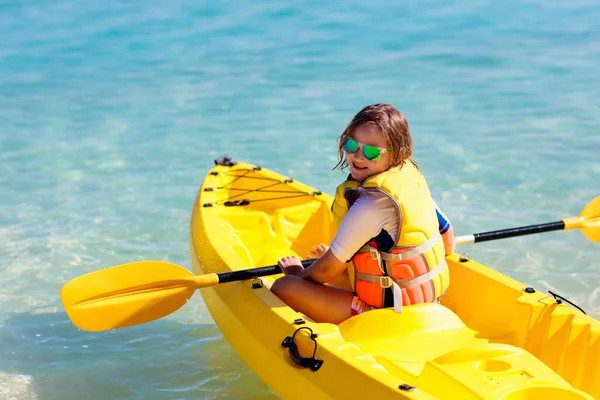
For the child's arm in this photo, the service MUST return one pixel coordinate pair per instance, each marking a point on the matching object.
(323, 270)
(446, 230)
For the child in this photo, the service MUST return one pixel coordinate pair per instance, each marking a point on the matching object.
(388, 226)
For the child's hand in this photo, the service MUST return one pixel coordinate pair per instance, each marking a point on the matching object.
(290, 265)
(317, 251)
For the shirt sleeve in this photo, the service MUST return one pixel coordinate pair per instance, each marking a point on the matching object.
(364, 221)
(443, 221)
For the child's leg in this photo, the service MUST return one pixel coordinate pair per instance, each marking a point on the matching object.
(321, 303)
(342, 281)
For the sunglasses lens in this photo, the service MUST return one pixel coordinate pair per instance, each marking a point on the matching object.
(371, 153)
(350, 146)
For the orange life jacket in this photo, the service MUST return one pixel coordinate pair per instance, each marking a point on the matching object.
(412, 269)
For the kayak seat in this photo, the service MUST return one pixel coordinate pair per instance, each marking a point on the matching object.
(302, 226)
(296, 230)
(261, 238)
(248, 239)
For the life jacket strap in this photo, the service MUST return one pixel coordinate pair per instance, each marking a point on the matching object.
(415, 251)
(382, 280)
(387, 281)
(422, 278)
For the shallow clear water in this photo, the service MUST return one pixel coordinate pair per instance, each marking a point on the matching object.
(111, 113)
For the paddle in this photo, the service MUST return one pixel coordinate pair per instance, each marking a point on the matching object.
(588, 221)
(139, 292)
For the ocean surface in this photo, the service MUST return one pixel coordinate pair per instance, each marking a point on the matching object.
(112, 112)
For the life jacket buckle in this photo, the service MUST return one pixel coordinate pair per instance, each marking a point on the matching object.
(386, 281)
(374, 253)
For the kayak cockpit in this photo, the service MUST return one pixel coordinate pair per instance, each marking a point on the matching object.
(285, 231)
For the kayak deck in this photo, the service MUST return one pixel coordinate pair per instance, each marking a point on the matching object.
(430, 344)
(488, 339)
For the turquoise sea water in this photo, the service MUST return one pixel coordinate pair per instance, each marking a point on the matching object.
(112, 112)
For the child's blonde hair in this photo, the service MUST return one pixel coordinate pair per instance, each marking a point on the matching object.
(392, 124)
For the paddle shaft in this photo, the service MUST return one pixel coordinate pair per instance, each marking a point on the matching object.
(511, 232)
(460, 240)
(256, 272)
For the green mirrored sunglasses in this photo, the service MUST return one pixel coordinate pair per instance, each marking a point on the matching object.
(371, 153)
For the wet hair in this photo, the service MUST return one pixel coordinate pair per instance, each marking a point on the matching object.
(392, 124)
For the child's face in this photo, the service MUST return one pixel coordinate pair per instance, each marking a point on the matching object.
(360, 167)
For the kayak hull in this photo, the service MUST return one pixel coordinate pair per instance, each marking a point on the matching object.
(490, 338)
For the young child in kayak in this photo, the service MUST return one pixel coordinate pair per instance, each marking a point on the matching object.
(388, 226)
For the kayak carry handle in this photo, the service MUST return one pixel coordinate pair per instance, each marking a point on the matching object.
(304, 362)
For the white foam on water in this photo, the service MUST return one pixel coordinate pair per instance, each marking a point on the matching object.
(16, 387)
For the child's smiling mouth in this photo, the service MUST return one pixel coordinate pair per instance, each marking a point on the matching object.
(357, 167)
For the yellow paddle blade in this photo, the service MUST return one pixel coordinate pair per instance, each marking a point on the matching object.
(127, 294)
(591, 224)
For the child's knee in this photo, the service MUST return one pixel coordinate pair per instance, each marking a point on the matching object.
(283, 285)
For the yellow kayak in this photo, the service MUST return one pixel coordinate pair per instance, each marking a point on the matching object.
(490, 338)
